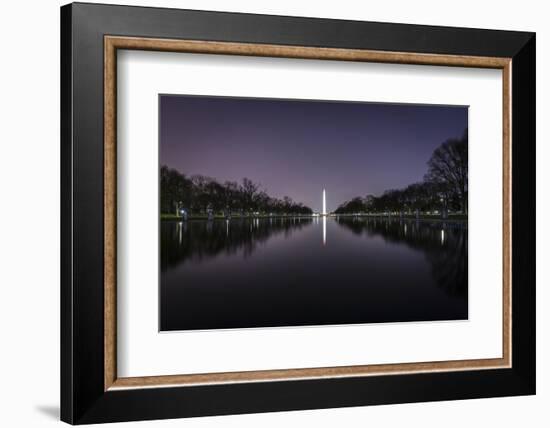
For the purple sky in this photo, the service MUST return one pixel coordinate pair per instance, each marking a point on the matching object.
(297, 148)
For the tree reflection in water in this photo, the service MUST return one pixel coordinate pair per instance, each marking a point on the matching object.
(199, 240)
(243, 273)
(445, 245)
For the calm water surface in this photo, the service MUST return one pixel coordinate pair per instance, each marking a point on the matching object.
(290, 272)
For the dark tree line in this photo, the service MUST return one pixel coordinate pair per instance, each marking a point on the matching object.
(198, 194)
(444, 188)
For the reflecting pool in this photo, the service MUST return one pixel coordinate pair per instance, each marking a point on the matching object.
(271, 272)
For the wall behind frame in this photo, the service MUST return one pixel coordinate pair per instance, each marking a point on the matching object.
(29, 218)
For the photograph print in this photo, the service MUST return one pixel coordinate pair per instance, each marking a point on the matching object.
(285, 213)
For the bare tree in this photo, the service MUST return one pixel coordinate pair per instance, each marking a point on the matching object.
(249, 190)
(448, 167)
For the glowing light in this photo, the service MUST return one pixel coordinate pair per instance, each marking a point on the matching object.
(442, 236)
(324, 202)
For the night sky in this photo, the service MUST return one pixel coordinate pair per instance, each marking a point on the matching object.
(297, 148)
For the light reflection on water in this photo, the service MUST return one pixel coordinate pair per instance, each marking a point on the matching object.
(282, 271)
(324, 231)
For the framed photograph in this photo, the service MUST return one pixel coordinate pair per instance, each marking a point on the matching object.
(266, 213)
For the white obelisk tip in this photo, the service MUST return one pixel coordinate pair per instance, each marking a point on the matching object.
(324, 202)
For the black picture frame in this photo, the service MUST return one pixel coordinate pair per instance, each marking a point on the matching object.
(83, 396)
